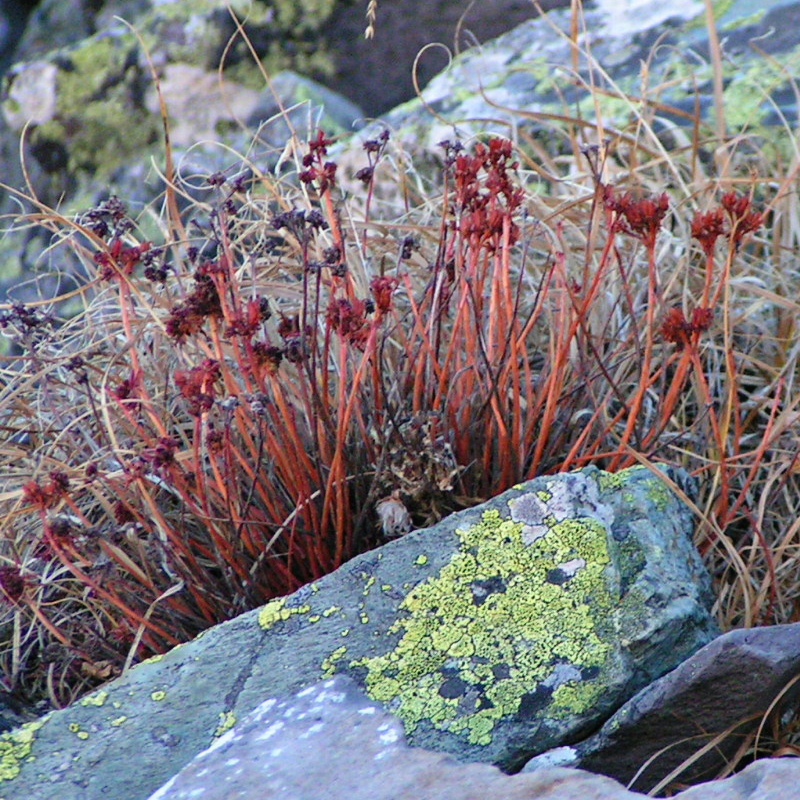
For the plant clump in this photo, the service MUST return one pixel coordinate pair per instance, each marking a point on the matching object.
(277, 383)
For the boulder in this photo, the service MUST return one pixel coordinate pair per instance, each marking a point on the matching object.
(645, 67)
(725, 689)
(502, 631)
(330, 741)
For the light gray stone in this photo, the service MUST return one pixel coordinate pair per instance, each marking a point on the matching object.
(330, 742)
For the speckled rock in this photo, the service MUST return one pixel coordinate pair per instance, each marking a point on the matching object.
(303, 748)
(502, 631)
(525, 80)
(729, 684)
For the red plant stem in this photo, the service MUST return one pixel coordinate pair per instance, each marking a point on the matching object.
(646, 379)
(109, 597)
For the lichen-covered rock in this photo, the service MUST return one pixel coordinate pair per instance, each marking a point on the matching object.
(501, 631)
(330, 742)
(526, 78)
(90, 106)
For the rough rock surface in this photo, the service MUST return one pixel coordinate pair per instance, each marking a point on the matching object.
(501, 631)
(728, 684)
(374, 73)
(331, 736)
(644, 66)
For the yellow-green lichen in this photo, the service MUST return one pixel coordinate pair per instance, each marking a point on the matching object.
(611, 481)
(421, 560)
(95, 110)
(117, 721)
(329, 663)
(96, 699)
(278, 611)
(227, 719)
(15, 748)
(450, 666)
(158, 695)
(75, 728)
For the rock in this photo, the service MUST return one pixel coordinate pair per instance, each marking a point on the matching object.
(100, 109)
(13, 18)
(375, 74)
(303, 749)
(524, 79)
(730, 683)
(498, 633)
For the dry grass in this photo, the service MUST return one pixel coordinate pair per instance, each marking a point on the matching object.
(285, 378)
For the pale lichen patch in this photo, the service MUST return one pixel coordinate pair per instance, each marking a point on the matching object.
(15, 748)
(227, 719)
(95, 699)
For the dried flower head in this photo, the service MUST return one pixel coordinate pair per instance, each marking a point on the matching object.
(393, 515)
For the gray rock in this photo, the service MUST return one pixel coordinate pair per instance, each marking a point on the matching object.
(728, 684)
(524, 79)
(502, 631)
(13, 18)
(330, 742)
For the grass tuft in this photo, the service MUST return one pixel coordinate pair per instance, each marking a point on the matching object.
(287, 374)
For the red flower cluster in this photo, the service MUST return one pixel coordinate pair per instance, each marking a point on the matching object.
(485, 204)
(348, 319)
(296, 343)
(187, 317)
(743, 220)
(382, 289)
(162, 455)
(677, 329)
(268, 356)
(316, 168)
(197, 385)
(708, 227)
(118, 259)
(256, 312)
(47, 496)
(641, 219)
